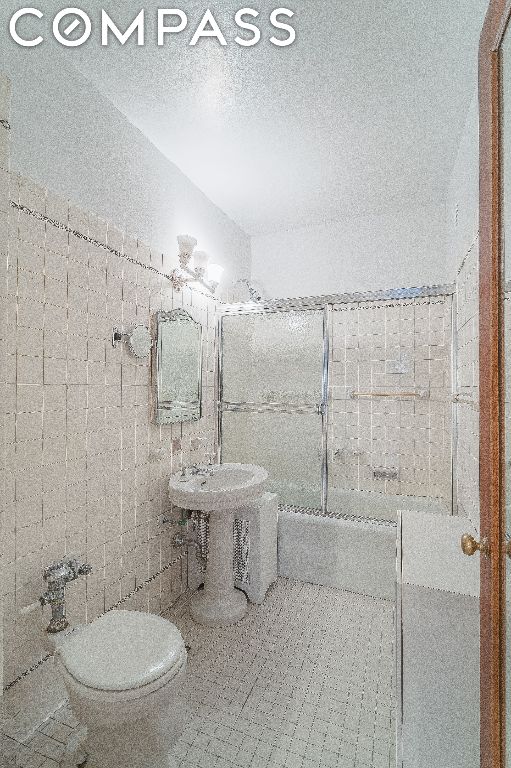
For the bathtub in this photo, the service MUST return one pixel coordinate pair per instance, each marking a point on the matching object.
(380, 506)
(354, 548)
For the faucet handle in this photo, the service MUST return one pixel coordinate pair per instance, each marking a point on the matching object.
(57, 571)
(65, 570)
(77, 568)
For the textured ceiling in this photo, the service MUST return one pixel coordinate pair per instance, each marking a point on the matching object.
(363, 112)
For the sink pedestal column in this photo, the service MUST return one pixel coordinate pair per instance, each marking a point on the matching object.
(219, 602)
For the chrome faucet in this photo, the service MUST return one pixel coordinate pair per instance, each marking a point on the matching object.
(196, 469)
(57, 575)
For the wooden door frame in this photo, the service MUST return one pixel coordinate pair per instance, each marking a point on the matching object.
(492, 600)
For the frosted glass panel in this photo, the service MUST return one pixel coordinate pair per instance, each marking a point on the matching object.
(273, 358)
(288, 445)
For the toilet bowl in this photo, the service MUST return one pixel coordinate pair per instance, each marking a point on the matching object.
(124, 675)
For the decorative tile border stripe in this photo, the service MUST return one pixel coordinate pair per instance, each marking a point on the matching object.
(124, 599)
(27, 672)
(390, 304)
(144, 584)
(370, 521)
(91, 240)
(464, 260)
(317, 302)
(81, 236)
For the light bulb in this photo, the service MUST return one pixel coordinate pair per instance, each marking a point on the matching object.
(200, 260)
(186, 245)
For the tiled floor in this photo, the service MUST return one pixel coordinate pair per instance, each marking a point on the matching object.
(304, 681)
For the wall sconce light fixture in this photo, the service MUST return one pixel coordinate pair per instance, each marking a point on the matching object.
(203, 272)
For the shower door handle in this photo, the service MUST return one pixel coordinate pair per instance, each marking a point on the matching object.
(321, 409)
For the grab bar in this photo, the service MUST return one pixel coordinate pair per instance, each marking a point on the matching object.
(421, 394)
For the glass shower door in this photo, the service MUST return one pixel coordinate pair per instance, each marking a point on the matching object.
(273, 400)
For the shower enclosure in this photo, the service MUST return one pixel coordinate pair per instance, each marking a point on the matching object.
(346, 400)
(273, 404)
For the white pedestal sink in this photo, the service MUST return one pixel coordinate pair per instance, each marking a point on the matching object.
(219, 491)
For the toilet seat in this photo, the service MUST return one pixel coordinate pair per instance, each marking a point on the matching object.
(123, 653)
(124, 676)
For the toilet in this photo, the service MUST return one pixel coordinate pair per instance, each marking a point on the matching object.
(124, 676)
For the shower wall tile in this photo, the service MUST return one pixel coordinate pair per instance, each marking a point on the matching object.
(467, 385)
(392, 346)
(84, 467)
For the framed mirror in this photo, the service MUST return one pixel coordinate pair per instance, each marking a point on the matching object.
(177, 367)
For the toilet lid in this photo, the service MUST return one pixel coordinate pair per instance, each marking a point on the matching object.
(122, 650)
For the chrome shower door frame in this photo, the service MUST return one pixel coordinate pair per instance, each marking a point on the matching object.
(321, 408)
(326, 304)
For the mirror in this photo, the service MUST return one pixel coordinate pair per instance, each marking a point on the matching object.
(177, 371)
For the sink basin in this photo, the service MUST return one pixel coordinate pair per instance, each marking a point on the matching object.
(219, 492)
(228, 486)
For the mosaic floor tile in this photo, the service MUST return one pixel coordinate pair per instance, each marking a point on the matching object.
(304, 681)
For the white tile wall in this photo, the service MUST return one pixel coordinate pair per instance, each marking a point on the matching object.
(372, 341)
(85, 468)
